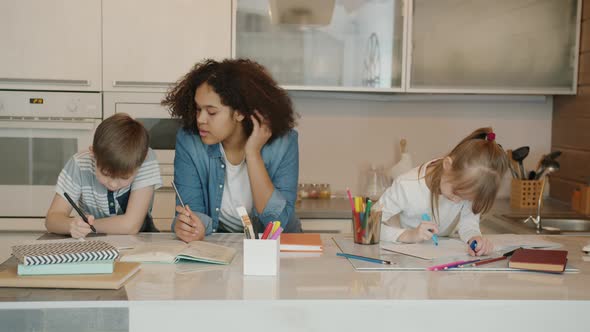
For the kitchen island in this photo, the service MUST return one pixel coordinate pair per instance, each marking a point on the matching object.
(312, 293)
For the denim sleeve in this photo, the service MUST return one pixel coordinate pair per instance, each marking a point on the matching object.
(188, 181)
(281, 204)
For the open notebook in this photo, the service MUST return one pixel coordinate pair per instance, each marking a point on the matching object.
(177, 251)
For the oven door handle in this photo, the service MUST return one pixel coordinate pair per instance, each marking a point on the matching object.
(78, 124)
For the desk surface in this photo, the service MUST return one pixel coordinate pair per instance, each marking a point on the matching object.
(331, 279)
(327, 276)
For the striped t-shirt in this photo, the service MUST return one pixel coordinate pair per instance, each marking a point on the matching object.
(78, 179)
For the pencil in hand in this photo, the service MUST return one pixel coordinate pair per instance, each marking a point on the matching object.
(80, 212)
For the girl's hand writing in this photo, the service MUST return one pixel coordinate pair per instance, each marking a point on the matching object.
(484, 246)
(188, 225)
(261, 132)
(423, 232)
(79, 229)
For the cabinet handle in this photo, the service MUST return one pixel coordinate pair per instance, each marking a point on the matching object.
(44, 81)
(145, 84)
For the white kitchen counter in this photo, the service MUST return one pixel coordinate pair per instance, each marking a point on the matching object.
(325, 293)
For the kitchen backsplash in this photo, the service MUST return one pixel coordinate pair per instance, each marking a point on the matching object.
(340, 138)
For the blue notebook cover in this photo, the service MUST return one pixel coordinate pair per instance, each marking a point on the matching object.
(90, 267)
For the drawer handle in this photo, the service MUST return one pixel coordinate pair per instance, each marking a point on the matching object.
(145, 84)
(44, 81)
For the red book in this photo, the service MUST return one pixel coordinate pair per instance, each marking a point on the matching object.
(310, 242)
(539, 260)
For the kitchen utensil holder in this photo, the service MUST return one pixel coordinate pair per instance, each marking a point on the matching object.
(525, 193)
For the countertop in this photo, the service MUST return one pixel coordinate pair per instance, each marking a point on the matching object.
(321, 293)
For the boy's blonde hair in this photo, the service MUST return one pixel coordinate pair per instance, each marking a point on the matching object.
(478, 164)
(120, 145)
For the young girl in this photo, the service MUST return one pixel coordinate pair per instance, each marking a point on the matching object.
(452, 191)
(236, 147)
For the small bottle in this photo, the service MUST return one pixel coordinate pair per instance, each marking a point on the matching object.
(325, 192)
(302, 191)
(314, 191)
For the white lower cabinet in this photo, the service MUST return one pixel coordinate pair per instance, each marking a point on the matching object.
(326, 225)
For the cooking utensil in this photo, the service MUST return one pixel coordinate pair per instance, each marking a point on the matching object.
(547, 166)
(519, 155)
(511, 165)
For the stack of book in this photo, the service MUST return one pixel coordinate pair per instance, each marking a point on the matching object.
(63, 258)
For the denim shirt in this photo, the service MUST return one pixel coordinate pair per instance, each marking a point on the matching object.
(199, 174)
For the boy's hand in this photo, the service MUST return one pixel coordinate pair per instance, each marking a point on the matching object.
(484, 246)
(188, 225)
(421, 233)
(79, 229)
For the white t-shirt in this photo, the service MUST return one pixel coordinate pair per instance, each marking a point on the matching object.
(236, 192)
(409, 197)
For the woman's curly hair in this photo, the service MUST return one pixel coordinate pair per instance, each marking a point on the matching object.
(243, 85)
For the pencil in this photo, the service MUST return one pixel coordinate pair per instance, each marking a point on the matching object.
(363, 258)
(181, 203)
(80, 212)
(490, 260)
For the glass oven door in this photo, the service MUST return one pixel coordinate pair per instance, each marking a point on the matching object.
(161, 126)
(33, 154)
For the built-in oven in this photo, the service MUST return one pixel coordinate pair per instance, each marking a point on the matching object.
(146, 108)
(39, 132)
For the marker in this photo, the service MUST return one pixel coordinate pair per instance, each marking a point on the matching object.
(276, 234)
(473, 245)
(82, 215)
(426, 217)
(363, 258)
(267, 230)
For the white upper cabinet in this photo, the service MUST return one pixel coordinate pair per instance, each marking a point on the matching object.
(500, 46)
(328, 45)
(148, 45)
(50, 45)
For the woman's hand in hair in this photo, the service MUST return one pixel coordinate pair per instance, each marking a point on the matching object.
(423, 232)
(188, 226)
(261, 133)
(484, 246)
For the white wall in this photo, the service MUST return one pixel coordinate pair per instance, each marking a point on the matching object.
(340, 137)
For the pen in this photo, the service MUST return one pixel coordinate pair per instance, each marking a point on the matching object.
(426, 217)
(181, 203)
(363, 258)
(82, 215)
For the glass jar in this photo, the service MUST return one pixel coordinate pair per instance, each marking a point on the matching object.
(314, 191)
(302, 191)
(325, 192)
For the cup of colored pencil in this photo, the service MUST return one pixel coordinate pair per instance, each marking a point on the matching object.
(366, 219)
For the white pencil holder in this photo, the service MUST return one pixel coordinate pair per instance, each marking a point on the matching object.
(261, 257)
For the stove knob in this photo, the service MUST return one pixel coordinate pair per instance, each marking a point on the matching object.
(73, 107)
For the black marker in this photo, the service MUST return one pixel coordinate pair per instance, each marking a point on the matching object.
(79, 211)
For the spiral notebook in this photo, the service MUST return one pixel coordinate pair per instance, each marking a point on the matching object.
(64, 252)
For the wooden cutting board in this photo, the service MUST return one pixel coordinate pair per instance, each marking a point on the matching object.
(122, 272)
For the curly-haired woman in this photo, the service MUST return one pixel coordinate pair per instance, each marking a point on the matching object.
(236, 147)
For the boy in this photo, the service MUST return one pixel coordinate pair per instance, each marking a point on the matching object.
(113, 182)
